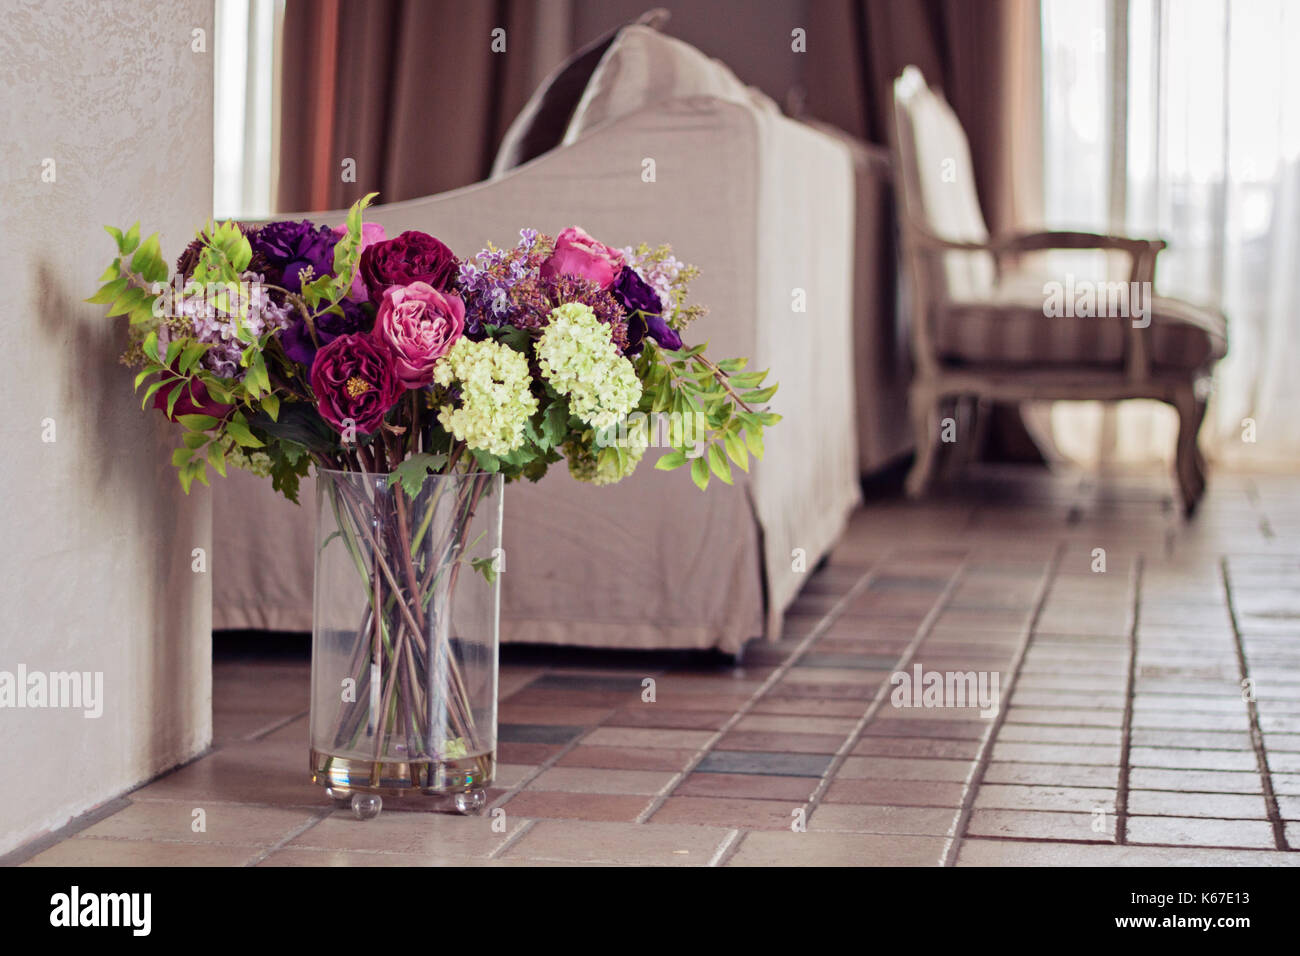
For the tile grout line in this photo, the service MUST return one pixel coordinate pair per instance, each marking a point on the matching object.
(1252, 711)
(512, 838)
(985, 755)
(657, 798)
(1130, 690)
(291, 835)
(727, 848)
(909, 652)
(822, 625)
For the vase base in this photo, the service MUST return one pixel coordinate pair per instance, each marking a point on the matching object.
(455, 786)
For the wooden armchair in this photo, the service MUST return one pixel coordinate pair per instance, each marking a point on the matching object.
(986, 329)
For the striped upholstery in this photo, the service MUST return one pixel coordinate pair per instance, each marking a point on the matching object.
(1004, 332)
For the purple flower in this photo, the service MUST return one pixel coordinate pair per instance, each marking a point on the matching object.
(643, 312)
(294, 246)
(354, 383)
(329, 326)
(411, 257)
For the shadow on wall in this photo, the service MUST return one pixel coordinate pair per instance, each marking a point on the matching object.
(150, 690)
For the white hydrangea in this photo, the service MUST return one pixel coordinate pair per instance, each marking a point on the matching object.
(577, 356)
(495, 396)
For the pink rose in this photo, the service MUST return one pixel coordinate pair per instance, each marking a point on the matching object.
(418, 324)
(576, 253)
(371, 232)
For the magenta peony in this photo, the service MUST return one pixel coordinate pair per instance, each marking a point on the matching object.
(411, 257)
(418, 324)
(354, 383)
(577, 254)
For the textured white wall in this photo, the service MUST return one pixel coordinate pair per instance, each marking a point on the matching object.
(95, 534)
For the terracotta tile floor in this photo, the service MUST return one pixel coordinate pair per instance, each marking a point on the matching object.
(1149, 712)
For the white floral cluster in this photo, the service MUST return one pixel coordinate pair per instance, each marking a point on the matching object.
(495, 400)
(578, 357)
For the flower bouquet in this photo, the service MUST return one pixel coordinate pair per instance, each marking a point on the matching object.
(417, 384)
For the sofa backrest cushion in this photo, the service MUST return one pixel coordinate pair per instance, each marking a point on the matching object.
(541, 124)
(643, 67)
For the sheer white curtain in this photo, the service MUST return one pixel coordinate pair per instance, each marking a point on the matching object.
(1177, 119)
(246, 118)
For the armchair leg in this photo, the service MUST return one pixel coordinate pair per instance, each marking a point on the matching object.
(923, 411)
(1189, 464)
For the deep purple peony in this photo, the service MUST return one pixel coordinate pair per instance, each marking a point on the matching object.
(637, 296)
(411, 257)
(294, 246)
(329, 326)
(354, 383)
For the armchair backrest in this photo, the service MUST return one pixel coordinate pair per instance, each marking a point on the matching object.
(935, 181)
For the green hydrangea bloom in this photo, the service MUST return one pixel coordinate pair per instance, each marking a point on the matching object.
(258, 462)
(604, 466)
(495, 399)
(578, 357)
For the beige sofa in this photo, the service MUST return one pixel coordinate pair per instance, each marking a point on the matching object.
(764, 206)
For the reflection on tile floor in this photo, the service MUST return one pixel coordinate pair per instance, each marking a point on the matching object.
(1147, 670)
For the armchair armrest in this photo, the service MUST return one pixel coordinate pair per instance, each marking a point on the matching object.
(1142, 252)
(1142, 256)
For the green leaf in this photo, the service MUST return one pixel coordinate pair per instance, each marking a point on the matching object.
(673, 459)
(733, 364)
(718, 463)
(173, 395)
(747, 380)
(152, 389)
(412, 472)
(197, 423)
(181, 455)
(754, 442)
(146, 258)
(217, 458)
(271, 405)
(760, 395)
(190, 357)
(240, 433)
(259, 373)
(486, 567)
(150, 346)
(109, 292)
(129, 299)
(700, 472)
(489, 463)
(736, 450)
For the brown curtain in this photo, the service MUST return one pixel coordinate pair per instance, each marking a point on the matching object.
(984, 56)
(410, 91)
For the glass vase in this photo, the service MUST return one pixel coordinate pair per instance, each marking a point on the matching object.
(404, 640)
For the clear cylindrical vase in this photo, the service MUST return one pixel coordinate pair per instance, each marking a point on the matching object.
(404, 638)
